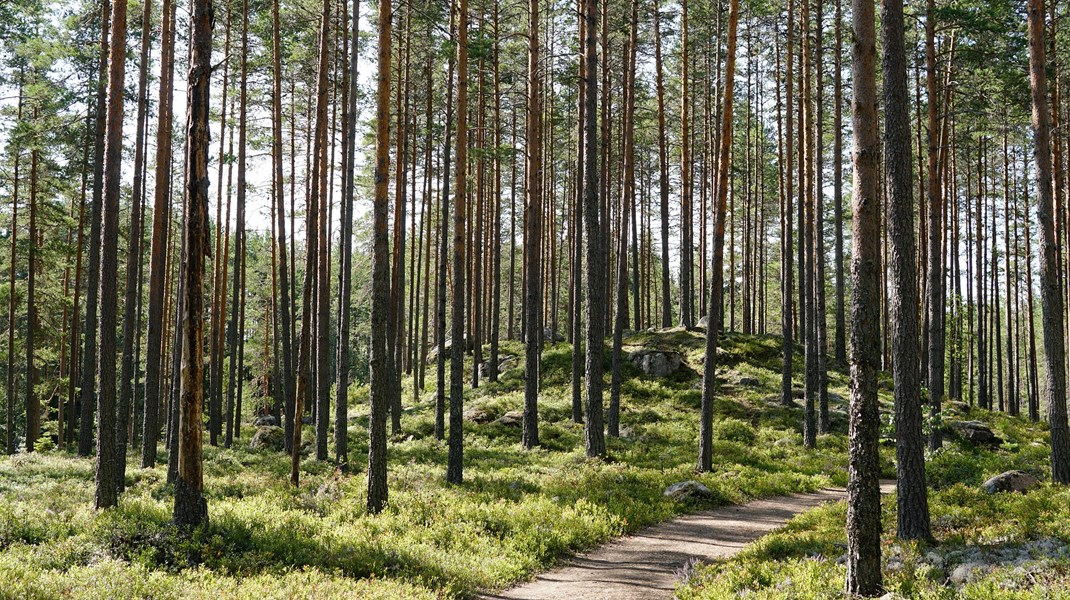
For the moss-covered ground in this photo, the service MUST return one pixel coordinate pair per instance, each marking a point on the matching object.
(518, 511)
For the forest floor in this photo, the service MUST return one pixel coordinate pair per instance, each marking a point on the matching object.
(649, 564)
(518, 514)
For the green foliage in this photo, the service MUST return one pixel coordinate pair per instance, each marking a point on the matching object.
(517, 513)
(734, 430)
(804, 559)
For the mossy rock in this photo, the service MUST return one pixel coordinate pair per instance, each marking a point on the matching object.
(269, 437)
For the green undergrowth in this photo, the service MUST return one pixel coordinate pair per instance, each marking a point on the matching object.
(1006, 545)
(517, 513)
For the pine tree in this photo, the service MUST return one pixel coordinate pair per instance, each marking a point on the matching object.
(190, 509)
(863, 490)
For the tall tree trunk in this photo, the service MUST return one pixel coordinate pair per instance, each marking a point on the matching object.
(787, 280)
(626, 207)
(11, 393)
(284, 302)
(663, 180)
(1034, 384)
(983, 399)
(686, 297)
(808, 248)
(133, 261)
(89, 354)
(1051, 301)
(594, 437)
(935, 287)
(216, 331)
(443, 250)
(158, 247)
(107, 486)
(175, 388)
(724, 154)
(455, 458)
(863, 486)
(1009, 221)
(840, 337)
(73, 340)
(238, 285)
(532, 233)
(397, 284)
(309, 384)
(476, 233)
(820, 309)
(913, 514)
(345, 251)
(33, 403)
(323, 260)
(496, 217)
(191, 509)
(380, 378)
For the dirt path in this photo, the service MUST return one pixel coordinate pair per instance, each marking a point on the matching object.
(645, 564)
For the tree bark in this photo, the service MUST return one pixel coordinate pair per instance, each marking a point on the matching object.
(912, 497)
(935, 286)
(808, 247)
(133, 264)
(158, 248)
(345, 251)
(1051, 301)
(686, 298)
(443, 250)
(626, 206)
(238, 285)
(11, 393)
(594, 437)
(191, 510)
(33, 403)
(863, 486)
(787, 279)
(322, 294)
(840, 337)
(663, 181)
(533, 231)
(380, 382)
(107, 471)
(89, 354)
(709, 374)
(455, 457)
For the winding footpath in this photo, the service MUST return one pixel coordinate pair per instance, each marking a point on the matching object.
(648, 563)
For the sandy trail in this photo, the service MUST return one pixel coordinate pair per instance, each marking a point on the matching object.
(646, 564)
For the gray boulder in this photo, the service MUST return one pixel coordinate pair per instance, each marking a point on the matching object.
(975, 432)
(504, 362)
(703, 323)
(549, 336)
(432, 354)
(478, 414)
(513, 418)
(265, 421)
(688, 491)
(961, 407)
(657, 363)
(749, 381)
(268, 437)
(1011, 481)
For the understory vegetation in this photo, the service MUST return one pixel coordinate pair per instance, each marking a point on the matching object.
(1004, 545)
(518, 511)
